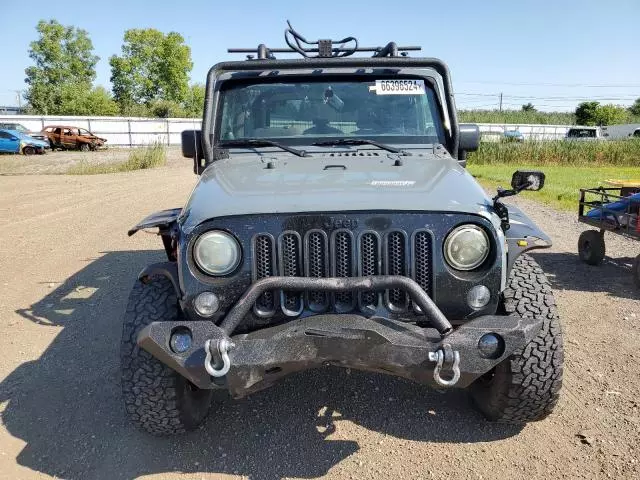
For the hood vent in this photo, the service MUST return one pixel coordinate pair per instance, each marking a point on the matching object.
(354, 154)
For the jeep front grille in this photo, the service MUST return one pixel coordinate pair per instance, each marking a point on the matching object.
(342, 253)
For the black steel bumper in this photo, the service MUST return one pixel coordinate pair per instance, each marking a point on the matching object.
(260, 358)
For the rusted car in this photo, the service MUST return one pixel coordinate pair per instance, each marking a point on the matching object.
(72, 138)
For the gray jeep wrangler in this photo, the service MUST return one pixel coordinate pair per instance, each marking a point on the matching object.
(334, 223)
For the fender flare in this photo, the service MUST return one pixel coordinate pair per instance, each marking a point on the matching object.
(163, 269)
(522, 236)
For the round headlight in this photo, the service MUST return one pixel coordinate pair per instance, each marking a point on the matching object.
(217, 252)
(466, 247)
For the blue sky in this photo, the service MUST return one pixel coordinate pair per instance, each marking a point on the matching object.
(552, 53)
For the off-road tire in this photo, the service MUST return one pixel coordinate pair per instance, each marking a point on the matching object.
(636, 271)
(28, 151)
(525, 387)
(84, 147)
(591, 247)
(156, 398)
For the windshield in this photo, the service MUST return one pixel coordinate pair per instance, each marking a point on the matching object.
(300, 112)
(15, 126)
(582, 133)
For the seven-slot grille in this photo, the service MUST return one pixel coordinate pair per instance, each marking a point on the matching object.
(341, 254)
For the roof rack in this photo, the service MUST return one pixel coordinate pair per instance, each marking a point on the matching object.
(324, 48)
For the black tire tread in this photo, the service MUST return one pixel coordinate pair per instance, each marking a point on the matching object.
(597, 250)
(152, 391)
(526, 386)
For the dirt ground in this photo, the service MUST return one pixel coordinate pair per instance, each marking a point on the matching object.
(67, 266)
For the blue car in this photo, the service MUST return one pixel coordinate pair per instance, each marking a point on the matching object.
(12, 141)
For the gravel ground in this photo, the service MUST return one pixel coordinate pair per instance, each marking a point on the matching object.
(68, 266)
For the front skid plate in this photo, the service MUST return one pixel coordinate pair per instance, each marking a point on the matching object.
(374, 344)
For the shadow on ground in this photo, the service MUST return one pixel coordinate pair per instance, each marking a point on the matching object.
(567, 272)
(66, 405)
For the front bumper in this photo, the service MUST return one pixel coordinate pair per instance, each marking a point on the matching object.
(377, 344)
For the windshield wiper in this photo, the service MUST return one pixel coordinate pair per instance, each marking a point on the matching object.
(361, 141)
(261, 142)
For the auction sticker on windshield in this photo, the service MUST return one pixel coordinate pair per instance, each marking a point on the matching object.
(398, 87)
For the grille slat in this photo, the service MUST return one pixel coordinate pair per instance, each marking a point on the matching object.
(291, 266)
(264, 266)
(369, 265)
(422, 254)
(316, 263)
(396, 253)
(343, 267)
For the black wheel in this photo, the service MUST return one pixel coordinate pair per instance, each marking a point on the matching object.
(636, 271)
(591, 247)
(84, 147)
(525, 387)
(28, 151)
(156, 398)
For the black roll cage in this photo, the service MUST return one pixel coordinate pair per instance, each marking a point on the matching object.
(319, 63)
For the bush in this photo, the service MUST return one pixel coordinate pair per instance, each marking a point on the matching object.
(151, 156)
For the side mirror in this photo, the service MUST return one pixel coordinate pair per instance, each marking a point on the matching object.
(527, 180)
(192, 148)
(469, 139)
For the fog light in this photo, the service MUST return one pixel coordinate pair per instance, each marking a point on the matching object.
(206, 304)
(180, 340)
(491, 345)
(478, 296)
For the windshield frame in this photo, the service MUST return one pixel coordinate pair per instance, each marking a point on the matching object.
(434, 103)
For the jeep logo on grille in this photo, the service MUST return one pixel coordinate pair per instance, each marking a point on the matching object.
(320, 222)
(337, 223)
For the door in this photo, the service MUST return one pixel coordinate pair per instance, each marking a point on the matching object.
(57, 136)
(69, 137)
(9, 143)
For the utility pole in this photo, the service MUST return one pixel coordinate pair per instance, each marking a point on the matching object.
(501, 101)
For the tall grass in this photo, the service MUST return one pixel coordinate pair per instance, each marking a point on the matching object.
(142, 158)
(516, 116)
(605, 153)
(522, 117)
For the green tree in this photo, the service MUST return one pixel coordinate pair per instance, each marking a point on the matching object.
(587, 113)
(635, 108)
(611, 115)
(76, 100)
(194, 103)
(153, 66)
(528, 107)
(63, 55)
(166, 109)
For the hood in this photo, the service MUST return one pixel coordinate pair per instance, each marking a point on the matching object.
(253, 184)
